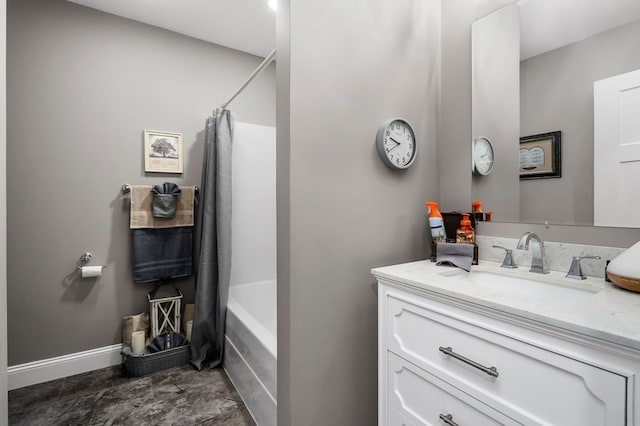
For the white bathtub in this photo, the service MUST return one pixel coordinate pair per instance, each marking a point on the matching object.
(250, 347)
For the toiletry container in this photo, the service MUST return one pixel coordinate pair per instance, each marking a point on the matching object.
(465, 233)
(436, 223)
(476, 210)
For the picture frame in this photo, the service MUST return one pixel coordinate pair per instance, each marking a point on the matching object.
(540, 156)
(163, 152)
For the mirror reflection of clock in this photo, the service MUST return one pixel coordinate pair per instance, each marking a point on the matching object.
(482, 157)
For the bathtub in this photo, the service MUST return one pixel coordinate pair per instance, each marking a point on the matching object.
(250, 347)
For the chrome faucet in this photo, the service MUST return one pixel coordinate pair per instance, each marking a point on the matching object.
(537, 251)
(575, 271)
(508, 258)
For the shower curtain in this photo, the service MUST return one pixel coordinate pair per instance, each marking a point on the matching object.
(213, 243)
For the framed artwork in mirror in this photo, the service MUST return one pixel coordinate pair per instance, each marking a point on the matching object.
(540, 156)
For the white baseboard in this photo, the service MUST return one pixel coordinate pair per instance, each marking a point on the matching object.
(44, 370)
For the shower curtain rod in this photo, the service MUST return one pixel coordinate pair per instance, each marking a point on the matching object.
(258, 70)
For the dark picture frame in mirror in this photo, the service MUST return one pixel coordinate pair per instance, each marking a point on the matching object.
(540, 156)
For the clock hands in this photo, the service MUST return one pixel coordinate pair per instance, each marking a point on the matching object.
(397, 144)
(393, 148)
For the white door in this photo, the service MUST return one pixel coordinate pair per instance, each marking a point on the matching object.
(616, 150)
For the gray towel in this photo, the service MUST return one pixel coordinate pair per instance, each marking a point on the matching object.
(460, 255)
(161, 254)
(165, 200)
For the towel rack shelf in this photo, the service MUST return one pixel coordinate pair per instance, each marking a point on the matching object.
(127, 188)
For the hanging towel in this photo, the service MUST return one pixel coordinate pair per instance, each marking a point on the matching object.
(162, 248)
(142, 212)
(165, 200)
(162, 254)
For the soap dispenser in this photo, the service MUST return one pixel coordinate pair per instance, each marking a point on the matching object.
(476, 211)
(465, 233)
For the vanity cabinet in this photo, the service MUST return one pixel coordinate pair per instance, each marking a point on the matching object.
(445, 360)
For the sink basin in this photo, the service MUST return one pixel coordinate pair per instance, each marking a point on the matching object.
(543, 287)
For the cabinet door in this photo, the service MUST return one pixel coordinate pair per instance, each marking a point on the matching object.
(419, 398)
(397, 419)
(531, 385)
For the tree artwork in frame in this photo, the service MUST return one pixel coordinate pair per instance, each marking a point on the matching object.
(540, 156)
(162, 152)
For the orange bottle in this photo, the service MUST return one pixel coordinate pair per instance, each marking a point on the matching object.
(476, 211)
(465, 233)
(436, 223)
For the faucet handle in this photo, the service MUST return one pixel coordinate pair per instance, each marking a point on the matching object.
(508, 258)
(575, 271)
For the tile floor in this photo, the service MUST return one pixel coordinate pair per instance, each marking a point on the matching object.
(179, 396)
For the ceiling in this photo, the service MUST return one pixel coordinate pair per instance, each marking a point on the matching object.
(249, 25)
(245, 25)
(549, 24)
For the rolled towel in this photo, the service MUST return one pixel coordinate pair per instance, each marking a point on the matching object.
(460, 255)
(165, 200)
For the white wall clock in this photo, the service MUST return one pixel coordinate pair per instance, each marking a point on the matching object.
(396, 143)
(482, 157)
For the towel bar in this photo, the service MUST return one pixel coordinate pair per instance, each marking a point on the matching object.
(127, 188)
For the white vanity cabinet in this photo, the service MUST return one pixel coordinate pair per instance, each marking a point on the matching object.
(446, 360)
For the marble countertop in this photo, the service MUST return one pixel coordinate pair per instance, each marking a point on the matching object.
(606, 312)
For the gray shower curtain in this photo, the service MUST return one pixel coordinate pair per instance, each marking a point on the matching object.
(213, 243)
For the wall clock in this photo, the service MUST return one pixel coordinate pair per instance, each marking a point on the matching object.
(482, 157)
(396, 143)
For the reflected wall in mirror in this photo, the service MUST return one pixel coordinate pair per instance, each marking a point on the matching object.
(562, 48)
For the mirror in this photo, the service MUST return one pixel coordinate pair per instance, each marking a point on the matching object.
(534, 64)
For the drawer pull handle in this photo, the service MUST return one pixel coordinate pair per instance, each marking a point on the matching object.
(492, 371)
(448, 419)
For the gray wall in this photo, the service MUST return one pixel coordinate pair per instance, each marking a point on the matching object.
(340, 210)
(3, 215)
(496, 108)
(457, 17)
(283, 213)
(82, 86)
(557, 94)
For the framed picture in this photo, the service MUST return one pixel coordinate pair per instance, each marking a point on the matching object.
(162, 152)
(540, 156)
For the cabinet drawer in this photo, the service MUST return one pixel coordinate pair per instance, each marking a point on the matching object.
(418, 398)
(531, 385)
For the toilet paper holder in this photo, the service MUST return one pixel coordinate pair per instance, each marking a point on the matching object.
(84, 258)
(88, 271)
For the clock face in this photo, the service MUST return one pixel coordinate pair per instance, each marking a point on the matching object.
(482, 153)
(396, 143)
